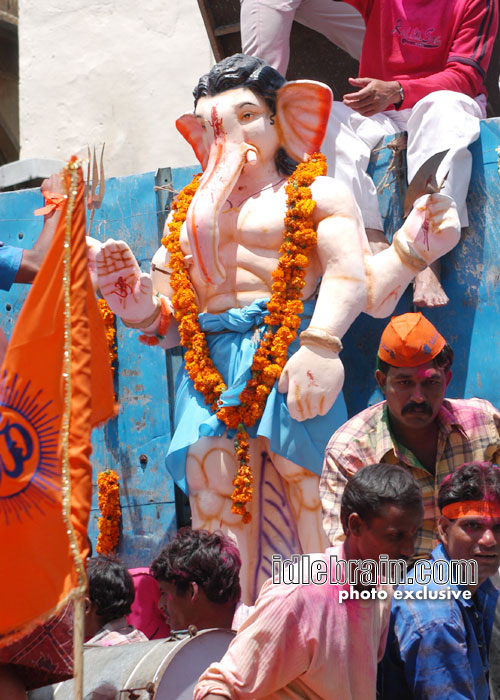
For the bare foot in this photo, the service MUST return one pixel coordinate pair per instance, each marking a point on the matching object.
(427, 290)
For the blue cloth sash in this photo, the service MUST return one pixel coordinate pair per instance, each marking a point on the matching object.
(232, 338)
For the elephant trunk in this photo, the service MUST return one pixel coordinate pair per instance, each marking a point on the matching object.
(225, 163)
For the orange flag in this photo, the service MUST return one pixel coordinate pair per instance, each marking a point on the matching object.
(55, 385)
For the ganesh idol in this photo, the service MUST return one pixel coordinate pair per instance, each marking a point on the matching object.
(264, 266)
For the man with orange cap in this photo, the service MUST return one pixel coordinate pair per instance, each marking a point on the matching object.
(415, 427)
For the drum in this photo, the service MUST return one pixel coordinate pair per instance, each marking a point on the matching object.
(163, 669)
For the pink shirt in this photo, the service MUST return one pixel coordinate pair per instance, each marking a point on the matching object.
(145, 614)
(428, 45)
(302, 642)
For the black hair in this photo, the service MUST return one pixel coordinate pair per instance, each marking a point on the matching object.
(255, 74)
(111, 588)
(376, 485)
(209, 559)
(473, 481)
(443, 360)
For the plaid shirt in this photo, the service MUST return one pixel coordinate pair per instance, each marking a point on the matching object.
(116, 633)
(468, 431)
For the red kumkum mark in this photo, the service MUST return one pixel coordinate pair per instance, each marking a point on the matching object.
(427, 373)
(123, 288)
(310, 376)
(425, 229)
(216, 123)
(394, 294)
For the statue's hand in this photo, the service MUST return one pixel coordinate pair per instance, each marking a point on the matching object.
(431, 230)
(313, 378)
(93, 247)
(128, 291)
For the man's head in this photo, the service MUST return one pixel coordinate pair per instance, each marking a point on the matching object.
(198, 574)
(469, 526)
(413, 370)
(111, 593)
(381, 511)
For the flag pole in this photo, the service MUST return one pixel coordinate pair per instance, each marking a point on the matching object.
(72, 169)
(78, 627)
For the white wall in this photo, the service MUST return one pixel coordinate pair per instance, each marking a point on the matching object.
(118, 71)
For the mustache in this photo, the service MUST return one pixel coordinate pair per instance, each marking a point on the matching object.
(423, 407)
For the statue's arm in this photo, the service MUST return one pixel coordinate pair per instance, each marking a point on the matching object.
(431, 230)
(341, 248)
(314, 375)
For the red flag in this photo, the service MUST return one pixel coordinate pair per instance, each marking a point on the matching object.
(55, 384)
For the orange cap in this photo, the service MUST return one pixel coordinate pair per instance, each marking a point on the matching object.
(410, 340)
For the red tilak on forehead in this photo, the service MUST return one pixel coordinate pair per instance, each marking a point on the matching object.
(425, 373)
(216, 122)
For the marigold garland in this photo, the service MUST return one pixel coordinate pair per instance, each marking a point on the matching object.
(109, 326)
(282, 319)
(109, 505)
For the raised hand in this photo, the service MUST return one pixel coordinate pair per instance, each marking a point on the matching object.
(128, 291)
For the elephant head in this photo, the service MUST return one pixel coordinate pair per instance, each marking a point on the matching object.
(245, 112)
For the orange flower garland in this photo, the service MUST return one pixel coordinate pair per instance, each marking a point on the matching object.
(109, 326)
(284, 309)
(109, 505)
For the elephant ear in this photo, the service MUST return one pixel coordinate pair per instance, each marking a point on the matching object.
(190, 128)
(303, 108)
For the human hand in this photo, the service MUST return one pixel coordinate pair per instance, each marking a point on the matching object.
(128, 291)
(313, 378)
(374, 96)
(54, 183)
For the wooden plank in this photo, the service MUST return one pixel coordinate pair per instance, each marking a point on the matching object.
(207, 16)
(134, 443)
(144, 531)
(227, 29)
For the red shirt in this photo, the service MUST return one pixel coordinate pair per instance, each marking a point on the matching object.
(428, 45)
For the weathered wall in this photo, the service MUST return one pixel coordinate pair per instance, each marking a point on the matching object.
(9, 82)
(118, 71)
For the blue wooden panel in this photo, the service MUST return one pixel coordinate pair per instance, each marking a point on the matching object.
(470, 276)
(142, 428)
(482, 261)
(136, 441)
(19, 227)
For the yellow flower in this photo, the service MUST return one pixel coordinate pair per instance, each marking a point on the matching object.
(109, 326)
(109, 505)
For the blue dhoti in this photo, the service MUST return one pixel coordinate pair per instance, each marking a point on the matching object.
(232, 338)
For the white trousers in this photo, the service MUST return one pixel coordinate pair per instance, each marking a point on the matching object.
(441, 120)
(266, 27)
